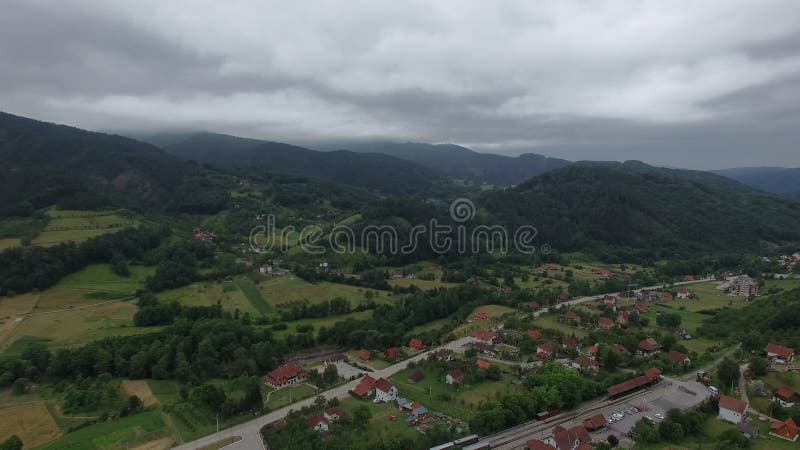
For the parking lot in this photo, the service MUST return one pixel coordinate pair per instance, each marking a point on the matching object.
(654, 404)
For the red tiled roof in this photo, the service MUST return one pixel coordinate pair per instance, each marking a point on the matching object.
(392, 352)
(483, 364)
(365, 355)
(383, 385)
(732, 404)
(605, 322)
(649, 345)
(572, 315)
(457, 374)
(481, 315)
(536, 444)
(595, 422)
(534, 306)
(315, 420)
(783, 352)
(593, 350)
(791, 427)
(570, 342)
(545, 347)
(416, 344)
(678, 356)
(484, 335)
(364, 386)
(536, 334)
(620, 348)
(653, 373)
(683, 291)
(283, 373)
(668, 296)
(784, 392)
(630, 385)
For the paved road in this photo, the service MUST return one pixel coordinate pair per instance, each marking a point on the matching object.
(249, 431)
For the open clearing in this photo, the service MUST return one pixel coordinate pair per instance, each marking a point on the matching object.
(75, 226)
(279, 291)
(31, 422)
(131, 431)
(141, 389)
(9, 243)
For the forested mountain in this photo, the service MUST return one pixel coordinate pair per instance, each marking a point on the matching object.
(633, 209)
(383, 173)
(462, 162)
(778, 180)
(42, 164)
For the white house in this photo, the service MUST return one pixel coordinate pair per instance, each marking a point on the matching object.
(385, 391)
(454, 377)
(732, 409)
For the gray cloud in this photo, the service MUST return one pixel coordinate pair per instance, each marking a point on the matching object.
(709, 84)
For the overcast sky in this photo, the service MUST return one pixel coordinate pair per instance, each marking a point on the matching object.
(706, 84)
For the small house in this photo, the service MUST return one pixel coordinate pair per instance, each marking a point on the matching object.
(605, 323)
(318, 423)
(785, 430)
(785, 396)
(678, 357)
(732, 409)
(778, 354)
(483, 365)
(455, 376)
(385, 391)
(416, 344)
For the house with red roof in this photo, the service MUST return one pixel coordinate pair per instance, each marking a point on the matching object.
(778, 354)
(591, 352)
(545, 350)
(651, 376)
(732, 409)
(678, 357)
(648, 347)
(416, 344)
(455, 376)
(688, 278)
(444, 354)
(365, 355)
(785, 396)
(569, 342)
(619, 348)
(667, 296)
(365, 387)
(286, 375)
(534, 306)
(318, 423)
(484, 365)
(785, 430)
(336, 414)
(594, 423)
(584, 363)
(572, 317)
(536, 334)
(536, 444)
(485, 336)
(605, 323)
(416, 377)
(562, 297)
(392, 353)
(609, 300)
(684, 293)
(570, 439)
(623, 317)
(385, 390)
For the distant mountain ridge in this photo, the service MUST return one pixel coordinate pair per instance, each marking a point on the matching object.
(381, 172)
(778, 180)
(42, 164)
(613, 208)
(461, 162)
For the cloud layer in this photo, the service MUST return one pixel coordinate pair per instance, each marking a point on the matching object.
(685, 83)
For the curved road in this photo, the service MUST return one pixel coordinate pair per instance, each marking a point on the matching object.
(250, 431)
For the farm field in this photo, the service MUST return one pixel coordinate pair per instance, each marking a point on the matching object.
(381, 426)
(71, 225)
(286, 396)
(551, 321)
(422, 284)
(709, 297)
(127, 432)
(9, 243)
(207, 293)
(279, 291)
(493, 311)
(79, 309)
(32, 422)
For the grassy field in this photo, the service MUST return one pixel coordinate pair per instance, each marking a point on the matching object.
(166, 391)
(279, 291)
(550, 321)
(433, 390)
(381, 427)
(31, 422)
(322, 322)
(77, 310)
(282, 397)
(66, 226)
(124, 433)
(709, 297)
(253, 295)
(208, 293)
(422, 284)
(9, 243)
(494, 312)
